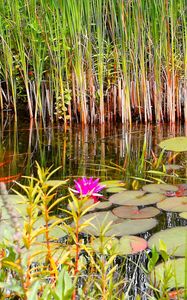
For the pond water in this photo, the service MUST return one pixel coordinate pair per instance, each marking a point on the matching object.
(91, 151)
(79, 150)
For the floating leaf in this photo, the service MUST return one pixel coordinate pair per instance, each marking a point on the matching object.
(105, 245)
(6, 231)
(128, 244)
(98, 205)
(38, 251)
(132, 212)
(55, 233)
(119, 198)
(159, 188)
(17, 203)
(175, 240)
(115, 189)
(176, 267)
(118, 226)
(103, 205)
(174, 204)
(177, 144)
(85, 205)
(183, 215)
(99, 219)
(127, 227)
(135, 198)
(113, 183)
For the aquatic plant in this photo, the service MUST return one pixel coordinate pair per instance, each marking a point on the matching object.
(88, 187)
(39, 264)
(94, 60)
(45, 255)
(168, 277)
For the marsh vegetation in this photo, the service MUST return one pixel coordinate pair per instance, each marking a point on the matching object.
(90, 61)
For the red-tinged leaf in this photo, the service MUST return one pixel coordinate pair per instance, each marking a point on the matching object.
(180, 192)
(175, 294)
(8, 179)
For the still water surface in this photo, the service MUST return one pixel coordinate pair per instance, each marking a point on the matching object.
(90, 151)
(79, 150)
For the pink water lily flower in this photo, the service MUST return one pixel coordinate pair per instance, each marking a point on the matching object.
(88, 187)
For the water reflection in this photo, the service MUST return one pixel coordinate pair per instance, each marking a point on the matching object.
(87, 151)
(79, 150)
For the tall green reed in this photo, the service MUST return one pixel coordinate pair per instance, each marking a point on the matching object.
(95, 60)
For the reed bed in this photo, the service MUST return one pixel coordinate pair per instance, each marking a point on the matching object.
(94, 60)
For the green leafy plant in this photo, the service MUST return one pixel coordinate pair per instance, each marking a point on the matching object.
(35, 264)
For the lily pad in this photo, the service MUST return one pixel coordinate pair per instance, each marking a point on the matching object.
(55, 233)
(174, 204)
(103, 205)
(175, 267)
(183, 215)
(135, 198)
(175, 240)
(6, 231)
(132, 212)
(38, 252)
(115, 189)
(159, 188)
(126, 227)
(177, 144)
(99, 219)
(113, 183)
(119, 198)
(105, 245)
(128, 244)
(85, 205)
(98, 205)
(17, 203)
(118, 226)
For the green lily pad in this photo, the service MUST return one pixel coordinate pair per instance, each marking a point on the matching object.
(177, 144)
(175, 240)
(118, 226)
(159, 188)
(6, 231)
(113, 183)
(85, 205)
(183, 215)
(119, 198)
(18, 205)
(38, 252)
(174, 204)
(105, 245)
(175, 267)
(98, 205)
(126, 227)
(135, 198)
(103, 205)
(115, 189)
(132, 212)
(55, 233)
(128, 244)
(99, 219)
